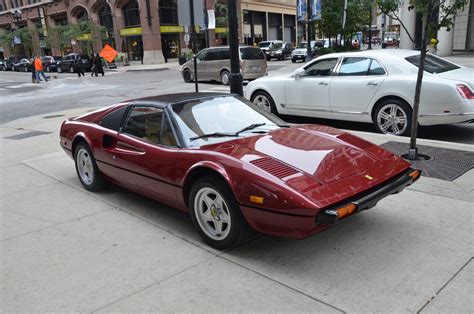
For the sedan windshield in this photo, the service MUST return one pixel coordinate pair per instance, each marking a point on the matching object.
(433, 64)
(219, 119)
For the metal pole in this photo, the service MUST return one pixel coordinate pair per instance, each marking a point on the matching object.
(369, 47)
(309, 52)
(196, 86)
(206, 33)
(235, 77)
(193, 26)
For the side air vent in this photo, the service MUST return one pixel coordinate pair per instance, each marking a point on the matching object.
(360, 143)
(274, 167)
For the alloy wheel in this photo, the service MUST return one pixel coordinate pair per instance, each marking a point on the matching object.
(263, 102)
(85, 167)
(212, 213)
(392, 119)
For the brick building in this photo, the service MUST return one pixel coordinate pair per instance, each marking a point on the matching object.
(142, 29)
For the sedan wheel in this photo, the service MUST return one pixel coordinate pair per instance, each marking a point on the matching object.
(187, 76)
(393, 117)
(264, 101)
(60, 70)
(87, 169)
(225, 77)
(216, 214)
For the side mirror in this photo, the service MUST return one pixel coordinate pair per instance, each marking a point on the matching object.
(298, 73)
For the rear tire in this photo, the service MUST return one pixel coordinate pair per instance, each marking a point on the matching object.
(187, 76)
(216, 214)
(393, 116)
(87, 170)
(225, 77)
(265, 101)
(60, 70)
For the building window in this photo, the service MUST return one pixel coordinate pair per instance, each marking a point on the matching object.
(62, 21)
(105, 18)
(131, 14)
(168, 12)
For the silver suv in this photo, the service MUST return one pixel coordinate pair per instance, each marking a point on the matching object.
(214, 64)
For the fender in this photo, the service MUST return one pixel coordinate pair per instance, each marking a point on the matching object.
(214, 166)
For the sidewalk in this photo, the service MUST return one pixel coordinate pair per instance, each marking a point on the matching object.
(64, 249)
(150, 67)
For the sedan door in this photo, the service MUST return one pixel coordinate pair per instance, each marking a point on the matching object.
(308, 93)
(355, 85)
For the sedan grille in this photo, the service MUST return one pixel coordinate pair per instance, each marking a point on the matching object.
(274, 167)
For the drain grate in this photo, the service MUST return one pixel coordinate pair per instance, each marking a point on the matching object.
(445, 164)
(26, 135)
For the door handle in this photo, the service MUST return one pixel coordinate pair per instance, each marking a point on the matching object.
(372, 84)
(323, 83)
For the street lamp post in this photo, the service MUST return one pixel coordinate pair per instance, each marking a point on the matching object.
(309, 53)
(369, 47)
(235, 77)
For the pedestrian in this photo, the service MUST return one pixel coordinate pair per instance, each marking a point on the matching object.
(39, 69)
(166, 48)
(31, 68)
(98, 68)
(78, 68)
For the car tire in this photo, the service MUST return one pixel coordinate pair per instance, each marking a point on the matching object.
(187, 76)
(225, 77)
(293, 60)
(48, 69)
(393, 116)
(60, 70)
(263, 100)
(216, 214)
(87, 170)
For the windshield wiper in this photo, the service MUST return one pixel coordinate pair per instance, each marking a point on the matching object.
(215, 134)
(250, 127)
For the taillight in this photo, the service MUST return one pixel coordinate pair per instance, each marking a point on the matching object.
(465, 91)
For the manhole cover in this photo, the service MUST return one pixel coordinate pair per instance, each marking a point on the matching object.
(53, 116)
(444, 164)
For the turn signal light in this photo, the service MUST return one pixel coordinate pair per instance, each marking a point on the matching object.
(256, 199)
(346, 211)
(465, 91)
(415, 175)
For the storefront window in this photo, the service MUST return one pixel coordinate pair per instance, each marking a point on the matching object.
(168, 12)
(131, 14)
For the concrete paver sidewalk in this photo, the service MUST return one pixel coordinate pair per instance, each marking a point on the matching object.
(65, 249)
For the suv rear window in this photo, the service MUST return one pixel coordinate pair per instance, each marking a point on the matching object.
(250, 53)
(433, 64)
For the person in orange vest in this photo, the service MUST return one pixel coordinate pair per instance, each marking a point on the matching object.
(39, 70)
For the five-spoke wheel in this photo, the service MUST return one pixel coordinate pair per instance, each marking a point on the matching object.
(264, 101)
(86, 168)
(393, 117)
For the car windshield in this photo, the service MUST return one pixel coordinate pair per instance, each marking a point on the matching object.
(277, 45)
(433, 64)
(221, 115)
(303, 45)
(264, 44)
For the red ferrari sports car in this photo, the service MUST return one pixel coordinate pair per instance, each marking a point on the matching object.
(231, 165)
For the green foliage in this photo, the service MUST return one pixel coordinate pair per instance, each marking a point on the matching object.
(86, 31)
(25, 34)
(435, 15)
(220, 8)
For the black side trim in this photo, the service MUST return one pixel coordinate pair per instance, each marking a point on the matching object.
(275, 211)
(369, 199)
(106, 163)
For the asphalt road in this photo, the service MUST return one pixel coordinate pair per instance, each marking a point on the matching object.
(20, 98)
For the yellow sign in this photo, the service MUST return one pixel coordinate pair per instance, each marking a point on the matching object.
(87, 36)
(133, 31)
(221, 30)
(176, 29)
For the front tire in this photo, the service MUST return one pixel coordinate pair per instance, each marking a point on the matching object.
(60, 70)
(225, 77)
(216, 214)
(393, 116)
(264, 101)
(87, 170)
(187, 76)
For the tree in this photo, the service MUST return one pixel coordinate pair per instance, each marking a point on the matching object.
(25, 34)
(436, 14)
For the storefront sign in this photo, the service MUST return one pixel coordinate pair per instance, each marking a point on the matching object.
(176, 29)
(133, 31)
(221, 30)
(211, 19)
(83, 37)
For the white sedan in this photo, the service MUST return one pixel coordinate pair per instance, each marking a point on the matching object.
(374, 86)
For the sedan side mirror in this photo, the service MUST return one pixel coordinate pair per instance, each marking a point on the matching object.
(298, 73)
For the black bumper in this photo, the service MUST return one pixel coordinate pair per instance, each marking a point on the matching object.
(368, 199)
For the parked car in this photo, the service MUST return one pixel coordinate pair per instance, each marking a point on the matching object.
(231, 165)
(68, 62)
(11, 61)
(21, 65)
(2, 65)
(214, 64)
(276, 49)
(302, 49)
(373, 86)
(50, 63)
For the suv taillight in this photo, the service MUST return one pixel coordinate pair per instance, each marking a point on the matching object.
(465, 91)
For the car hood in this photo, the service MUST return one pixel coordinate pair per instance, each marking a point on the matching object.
(463, 74)
(323, 153)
